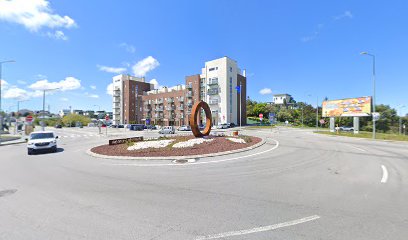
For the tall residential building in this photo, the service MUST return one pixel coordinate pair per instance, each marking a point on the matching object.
(172, 106)
(127, 98)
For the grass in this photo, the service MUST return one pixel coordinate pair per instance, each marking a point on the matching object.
(381, 136)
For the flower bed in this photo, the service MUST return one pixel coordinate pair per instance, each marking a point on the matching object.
(177, 146)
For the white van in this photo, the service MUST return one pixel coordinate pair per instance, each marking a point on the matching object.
(167, 130)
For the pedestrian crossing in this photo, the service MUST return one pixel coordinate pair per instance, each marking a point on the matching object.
(68, 136)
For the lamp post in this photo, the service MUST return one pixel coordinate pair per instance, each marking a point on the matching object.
(373, 57)
(317, 113)
(400, 118)
(1, 117)
(43, 112)
(18, 110)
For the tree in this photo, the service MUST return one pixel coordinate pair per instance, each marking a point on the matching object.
(259, 108)
(72, 119)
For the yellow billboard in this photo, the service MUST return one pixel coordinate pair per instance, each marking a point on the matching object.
(350, 107)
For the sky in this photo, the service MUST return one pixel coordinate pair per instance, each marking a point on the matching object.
(309, 49)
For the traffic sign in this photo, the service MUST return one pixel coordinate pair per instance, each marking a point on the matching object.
(107, 117)
(322, 121)
(272, 118)
(376, 116)
(29, 118)
(261, 116)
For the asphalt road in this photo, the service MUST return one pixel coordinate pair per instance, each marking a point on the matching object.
(299, 185)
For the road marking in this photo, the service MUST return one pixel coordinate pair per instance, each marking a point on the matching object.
(259, 229)
(196, 163)
(385, 174)
(360, 149)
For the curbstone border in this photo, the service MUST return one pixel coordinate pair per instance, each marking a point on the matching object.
(97, 155)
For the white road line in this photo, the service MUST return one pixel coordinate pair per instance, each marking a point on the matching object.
(360, 149)
(259, 229)
(384, 178)
(195, 163)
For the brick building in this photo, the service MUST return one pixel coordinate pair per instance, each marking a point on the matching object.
(135, 101)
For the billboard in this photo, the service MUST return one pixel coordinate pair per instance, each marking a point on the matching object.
(350, 107)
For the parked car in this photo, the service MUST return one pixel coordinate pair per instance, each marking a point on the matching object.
(184, 128)
(346, 129)
(121, 126)
(58, 126)
(231, 125)
(113, 126)
(136, 127)
(45, 140)
(167, 130)
(222, 126)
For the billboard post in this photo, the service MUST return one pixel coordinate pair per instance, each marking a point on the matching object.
(356, 124)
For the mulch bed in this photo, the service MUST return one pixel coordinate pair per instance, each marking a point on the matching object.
(219, 144)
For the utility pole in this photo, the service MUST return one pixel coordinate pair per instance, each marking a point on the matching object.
(43, 113)
(317, 113)
(374, 120)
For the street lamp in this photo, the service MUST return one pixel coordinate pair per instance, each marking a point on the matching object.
(43, 112)
(400, 118)
(373, 57)
(18, 110)
(1, 117)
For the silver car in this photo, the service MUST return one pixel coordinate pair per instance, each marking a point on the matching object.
(45, 140)
(167, 130)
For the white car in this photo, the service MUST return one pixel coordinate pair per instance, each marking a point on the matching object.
(46, 140)
(184, 128)
(167, 130)
(222, 126)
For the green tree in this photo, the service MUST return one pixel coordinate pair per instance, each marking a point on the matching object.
(72, 119)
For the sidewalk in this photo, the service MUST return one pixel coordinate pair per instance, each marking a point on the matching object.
(8, 140)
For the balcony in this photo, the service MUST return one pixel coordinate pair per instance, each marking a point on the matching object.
(170, 100)
(212, 92)
(214, 102)
(189, 86)
(171, 108)
(181, 99)
(147, 109)
(159, 101)
(181, 108)
(213, 82)
(116, 106)
(116, 100)
(189, 94)
(158, 116)
(159, 109)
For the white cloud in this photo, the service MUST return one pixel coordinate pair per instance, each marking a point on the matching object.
(128, 47)
(4, 84)
(69, 83)
(16, 93)
(64, 99)
(109, 89)
(33, 15)
(314, 35)
(141, 68)
(265, 91)
(59, 35)
(22, 82)
(346, 14)
(93, 87)
(111, 69)
(91, 95)
(40, 76)
(155, 83)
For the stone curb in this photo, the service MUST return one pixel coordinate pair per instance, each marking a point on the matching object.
(12, 142)
(96, 155)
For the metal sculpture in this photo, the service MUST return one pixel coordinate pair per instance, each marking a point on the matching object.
(193, 119)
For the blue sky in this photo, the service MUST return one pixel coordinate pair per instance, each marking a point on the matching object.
(298, 47)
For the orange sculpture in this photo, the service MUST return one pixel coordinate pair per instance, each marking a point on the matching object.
(193, 119)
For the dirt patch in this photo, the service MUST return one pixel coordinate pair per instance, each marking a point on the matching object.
(219, 144)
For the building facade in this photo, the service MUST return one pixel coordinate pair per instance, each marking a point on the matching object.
(216, 85)
(127, 94)
(281, 99)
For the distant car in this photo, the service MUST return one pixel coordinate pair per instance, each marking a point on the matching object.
(136, 127)
(222, 126)
(201, 126)
(346, 129)
(121, 126)
(167, 130)
(231, 125)
(58, 126)
(45, 140)
(184, 128)
(113, 126)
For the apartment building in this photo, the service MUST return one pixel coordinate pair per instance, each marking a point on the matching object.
(127, 98)
(172, 105)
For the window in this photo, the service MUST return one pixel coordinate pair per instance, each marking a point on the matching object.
(230, 69)
(211, 69)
